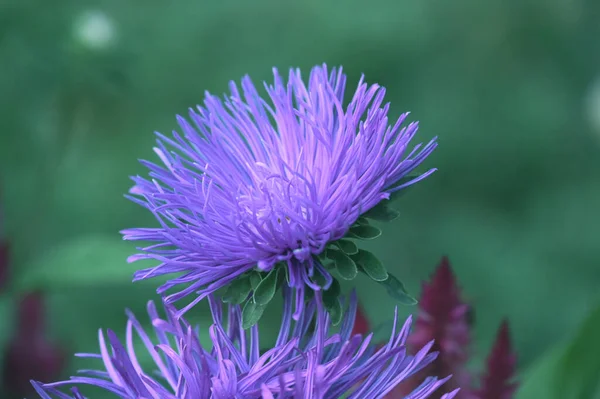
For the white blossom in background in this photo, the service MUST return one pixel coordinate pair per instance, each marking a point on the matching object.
(94, 29)
(592, 106)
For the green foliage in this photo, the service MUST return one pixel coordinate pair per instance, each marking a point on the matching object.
(364, 232)
(251, 313)
(567, 371)
(343, 263)
(349, 247)
(395, 288)
(540, 380)
(369, 264)
(254, 290)
(88, 260)
(579, 371)
(265, 290)
(382, 212)
(331, 300)
(237, 292)
(255, 279)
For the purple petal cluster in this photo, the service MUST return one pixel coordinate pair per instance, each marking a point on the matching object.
(307, 361)
(249, 182)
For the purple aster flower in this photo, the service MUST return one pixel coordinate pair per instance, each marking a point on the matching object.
(307, 360)
(250, 184)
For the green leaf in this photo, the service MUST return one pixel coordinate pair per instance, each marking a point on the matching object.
(569, 370)
(382, 212)
(335, 289)
(334, 308)
(370, 265)
(362, 221)
(580, 366)
(349, 247)
(251, 314)
(343, 263)
(309, 295)
(238, 291)
(283, 277)
(319, 278)
(365, 232)
(331, 300)
(265, 290)
(395, 288)
(83, 261)
(539, 381)
(255, 279)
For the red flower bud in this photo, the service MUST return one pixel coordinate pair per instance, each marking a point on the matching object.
(442, 317)
(501, 364)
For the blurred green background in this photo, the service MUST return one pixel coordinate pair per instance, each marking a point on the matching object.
(511, 87)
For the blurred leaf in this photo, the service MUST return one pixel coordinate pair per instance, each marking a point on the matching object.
(540, 380)
(568, 371)
(89, 260)
(395, 288)
(579, 372)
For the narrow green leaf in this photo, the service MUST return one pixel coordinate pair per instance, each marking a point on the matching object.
(331, 300)
(343, 263)
(395, 288)
(349, 247)
(265, 290)
(334, 308)
(365, 232)
(251, 314)
(370, 265)
(382, 212)
(238, 291)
